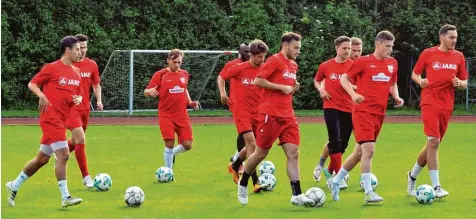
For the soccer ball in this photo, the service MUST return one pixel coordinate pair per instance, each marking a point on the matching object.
(164, 174)
(134, 196)
(102, 182)
(317, 195)
(268, 179)
(425, 194)
(267, 167)
(373, 182)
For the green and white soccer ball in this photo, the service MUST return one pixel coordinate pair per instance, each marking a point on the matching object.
(267, 179)
(134, 196)
(102, 182)
(164, 175)
(316, 194)
(373, 182)
(266, 167)
(425, 194)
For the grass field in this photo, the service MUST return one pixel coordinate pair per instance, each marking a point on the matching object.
(204, 189)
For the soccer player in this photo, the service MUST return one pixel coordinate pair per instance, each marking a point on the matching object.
(78, 121)
(376, 75)
(355, 53)
(445, 70)
(355, 48)
(276, 117)
(244, 56)
(170, 86)
(337, 107)
(247, 98)
(61, 90)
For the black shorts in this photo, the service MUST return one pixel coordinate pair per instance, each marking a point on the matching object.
(339, 129)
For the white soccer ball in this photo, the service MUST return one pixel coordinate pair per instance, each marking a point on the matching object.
(267, 167)
(164, 174)
(373, 182)
(134, 196)
(425, 194)
(102, 182)
(316, 194)
(267, 179)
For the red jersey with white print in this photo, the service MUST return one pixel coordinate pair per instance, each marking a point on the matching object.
(89, 72)
(172, 88)
(332, 71)
(280, 70)
(59, 83)
(233, 82)
(440, 68)
(374, 77)
(247, 95)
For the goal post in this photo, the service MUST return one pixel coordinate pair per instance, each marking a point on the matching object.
(128, 72)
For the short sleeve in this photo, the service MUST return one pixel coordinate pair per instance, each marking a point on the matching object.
(320, 73)
(462, 71)
(421, 63)
(269, 67)
(43, 76)
(232, 72)
(156, 80)
(355, 69)
(95, 79)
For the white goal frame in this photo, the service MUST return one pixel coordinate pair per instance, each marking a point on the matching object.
(131, 68)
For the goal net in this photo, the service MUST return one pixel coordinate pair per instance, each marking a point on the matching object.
(127, 73)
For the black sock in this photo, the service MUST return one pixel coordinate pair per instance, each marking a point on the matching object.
(296, 187)
(240, 142)
(236, 165)
(410, 175)
(254, 178)
(244, 179)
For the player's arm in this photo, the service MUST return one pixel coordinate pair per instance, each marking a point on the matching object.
(462, 74)
(261, 82)
(395, 95)
(422, 82)
(34, 85)
(194, 104)
(221, 87)
(319, 85)
(418, 70)
(345, 83)
(461, 84)
(97, 92)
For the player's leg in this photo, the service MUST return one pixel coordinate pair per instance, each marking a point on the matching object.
(322, 160)
(240, 144)
(167, 129)
(289, 140)
(332, 119)
(346, 128)
(234, 167)
(78, 137)
(250, 166)
(250, 148)
(60, 148)
(42, 158)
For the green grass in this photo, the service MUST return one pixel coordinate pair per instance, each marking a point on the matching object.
(204, 189)
(459, 110)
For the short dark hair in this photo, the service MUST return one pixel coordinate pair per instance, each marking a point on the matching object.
(174, 53)
(82, 37)
(384, 35)
(287, 37)
(341, 39)
(355, 41)
(67, 42)
(258, 46)
(445, 28)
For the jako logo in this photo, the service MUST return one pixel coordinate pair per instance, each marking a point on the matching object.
(176, 90)
(85, 74)
(62, 81)
(381, 77)
(335, 76)
(247, 81)
(438, 66)
(289, 75)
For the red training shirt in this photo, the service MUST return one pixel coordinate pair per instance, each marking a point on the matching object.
(90, 76)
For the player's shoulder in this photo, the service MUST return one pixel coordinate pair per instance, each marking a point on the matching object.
(183, 71)
(90, 61)
(233, 62)
(160, 72)
(457, 53)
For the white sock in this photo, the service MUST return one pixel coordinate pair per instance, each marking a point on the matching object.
(179, 149)
(237, 154)
(63, 185)
(340, 176)
(435, 179)
(367, 179)
(169, 157)
(416, 170)
(19, 180)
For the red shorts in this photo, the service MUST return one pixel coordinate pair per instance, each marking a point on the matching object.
(246, 124)
(78, 118)
(435, 121)
(366, 126)
(53, 125)
(181, 126)
(272, 127)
